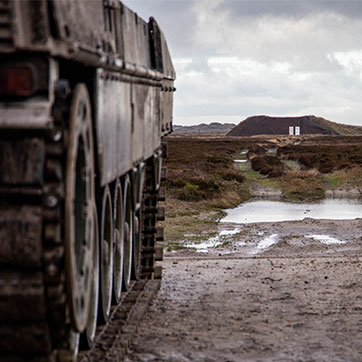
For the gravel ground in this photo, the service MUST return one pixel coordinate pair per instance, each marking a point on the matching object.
(289, 291)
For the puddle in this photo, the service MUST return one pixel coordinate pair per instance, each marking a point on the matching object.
(268, 242)
(213, 242)
(252, 248)
(229, 232)
(258, 241)
(277, 211)
(223, 236)
(204, 247)
(328, 240)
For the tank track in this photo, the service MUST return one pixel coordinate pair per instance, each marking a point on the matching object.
(32, 276)
(151, 234)
(32, 282)
(113, 340)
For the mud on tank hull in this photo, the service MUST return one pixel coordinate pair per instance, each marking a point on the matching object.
(85, 105)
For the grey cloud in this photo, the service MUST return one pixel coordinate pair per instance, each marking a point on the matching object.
(174, 17)
(306, 33)
(290, 8)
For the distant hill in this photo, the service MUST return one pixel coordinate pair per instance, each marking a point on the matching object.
(214, 128)
(264, 125)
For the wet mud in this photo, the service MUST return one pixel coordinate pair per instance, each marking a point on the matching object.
(288, 291)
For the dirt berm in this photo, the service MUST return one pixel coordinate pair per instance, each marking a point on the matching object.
(265, 125)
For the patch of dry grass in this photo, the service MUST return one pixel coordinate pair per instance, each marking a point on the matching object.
(326, 158)
(300, 185)
(190, 217)
(202, 169)
(345, 178)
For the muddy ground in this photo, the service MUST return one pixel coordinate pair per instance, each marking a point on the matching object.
(299, 299)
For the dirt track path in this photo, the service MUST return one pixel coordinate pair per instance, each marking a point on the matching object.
(278, 306)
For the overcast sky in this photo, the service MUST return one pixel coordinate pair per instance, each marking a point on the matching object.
(239, 58)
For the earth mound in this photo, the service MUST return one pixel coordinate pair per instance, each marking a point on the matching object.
(214, 128)
(265, 125)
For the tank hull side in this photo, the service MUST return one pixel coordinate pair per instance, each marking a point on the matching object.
(127, 125)
(166, 106)
(106, 50)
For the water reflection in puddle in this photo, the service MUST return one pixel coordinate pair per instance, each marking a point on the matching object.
(260, 241)
(213, 242)
(204, 247)
(268, 242)
(253, 248)
(325, 239)
(229, 232)
(276, 211)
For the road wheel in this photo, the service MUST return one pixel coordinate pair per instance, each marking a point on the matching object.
(79, 201)
(137, 186)
(71, 353)
(136, 261)
(118, 243)
(88, 335)
(106, 257)
(128, 232)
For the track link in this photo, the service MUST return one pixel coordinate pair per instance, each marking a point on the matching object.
(32, 283)
(114, 339)
(152, 212)
(34, 323)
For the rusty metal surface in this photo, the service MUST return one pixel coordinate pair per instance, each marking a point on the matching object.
(83, 29)
(133, 97)
(26, 292)
(34, 114)
(80, 21)
(125, 64)
(22, 340)
(23, 161)
(32, 290)
(113, 126)
(33, 316)
(128, 124)
(20, 232)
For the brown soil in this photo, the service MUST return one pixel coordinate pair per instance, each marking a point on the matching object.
(299, 300)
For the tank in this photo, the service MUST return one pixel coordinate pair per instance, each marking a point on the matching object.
(86, 95)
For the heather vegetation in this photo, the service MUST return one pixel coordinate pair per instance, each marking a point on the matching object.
(329, 158)
(203, 178)
(202, 170)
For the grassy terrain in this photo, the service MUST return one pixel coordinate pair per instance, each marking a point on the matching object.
(341, 129)
(201, 182)
(203, 178)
